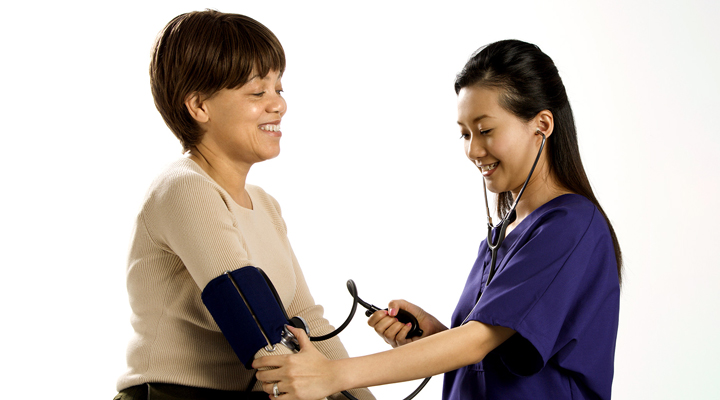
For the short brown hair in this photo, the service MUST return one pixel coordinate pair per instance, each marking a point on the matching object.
(204, 52)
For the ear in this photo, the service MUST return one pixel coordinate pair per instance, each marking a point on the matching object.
(195, 104)
(544, 122)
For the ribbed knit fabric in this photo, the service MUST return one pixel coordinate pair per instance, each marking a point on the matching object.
(188, 232)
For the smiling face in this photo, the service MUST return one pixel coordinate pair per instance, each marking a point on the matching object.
(243, 124)
(501, 145)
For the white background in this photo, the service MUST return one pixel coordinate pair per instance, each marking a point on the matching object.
(372, 178)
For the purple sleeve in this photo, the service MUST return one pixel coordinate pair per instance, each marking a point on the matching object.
(544, 288)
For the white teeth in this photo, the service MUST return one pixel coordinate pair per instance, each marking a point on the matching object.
(488, 167)
(271, 128)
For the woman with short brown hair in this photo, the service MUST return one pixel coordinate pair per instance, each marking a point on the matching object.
(216, 81)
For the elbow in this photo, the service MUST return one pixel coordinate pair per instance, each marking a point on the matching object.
(485, 338)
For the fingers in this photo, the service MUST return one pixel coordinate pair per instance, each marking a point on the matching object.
(267, 362)
(428, 323)
(380, 321)
(407, 306)
(376, 317)
(307, 375)
(401, 336)
(301, 336)
(394, 332)
(272, 369)
(389, 328)
(270, 388)
(286, 391)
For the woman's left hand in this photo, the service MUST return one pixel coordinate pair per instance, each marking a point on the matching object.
(307, 375)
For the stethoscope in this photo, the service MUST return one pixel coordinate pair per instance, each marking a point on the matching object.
(289, 340)
(494, 247)
(508, 218)
(502, 225)
(402, 316)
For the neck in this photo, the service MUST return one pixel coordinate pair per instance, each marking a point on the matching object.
(542, 188)
(229, 175)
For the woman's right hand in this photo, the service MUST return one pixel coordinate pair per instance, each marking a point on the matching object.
(395, 332)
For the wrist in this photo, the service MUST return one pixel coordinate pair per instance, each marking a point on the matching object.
(438, 326)
(342, 377)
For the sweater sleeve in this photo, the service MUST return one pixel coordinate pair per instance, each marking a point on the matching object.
(189, 216)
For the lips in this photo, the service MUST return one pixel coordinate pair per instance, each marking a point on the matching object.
(272, 129)
(488, 169)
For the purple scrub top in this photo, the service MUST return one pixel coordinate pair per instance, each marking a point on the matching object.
(556, 285)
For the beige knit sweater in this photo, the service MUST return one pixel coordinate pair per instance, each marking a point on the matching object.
(188, 232)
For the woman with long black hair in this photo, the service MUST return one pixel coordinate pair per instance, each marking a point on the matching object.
(538, 317)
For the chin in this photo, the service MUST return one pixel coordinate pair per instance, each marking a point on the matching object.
(493, 188)
(271, 153)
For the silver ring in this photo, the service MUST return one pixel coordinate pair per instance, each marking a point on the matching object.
(276, 391)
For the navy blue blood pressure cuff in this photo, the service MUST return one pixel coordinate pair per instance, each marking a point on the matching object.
(247, 309)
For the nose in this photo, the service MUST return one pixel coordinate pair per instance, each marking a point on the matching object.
(277, 105)
(474, 148)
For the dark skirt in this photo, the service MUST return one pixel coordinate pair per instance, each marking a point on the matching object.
(165, 391)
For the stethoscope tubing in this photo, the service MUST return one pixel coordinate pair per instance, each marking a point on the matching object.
(503, 224)
(494, 247)
(370, 308)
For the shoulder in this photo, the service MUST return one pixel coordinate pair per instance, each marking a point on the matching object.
(568, 218)
(567, 206)
(568, 236)
(259, 195)
(182, 177)
(258, 192)
(568, 211)
(264, 202)
(184, 185)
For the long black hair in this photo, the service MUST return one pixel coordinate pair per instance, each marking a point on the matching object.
(529, 83)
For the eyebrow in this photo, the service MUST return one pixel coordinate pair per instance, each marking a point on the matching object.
(261, 77)
(477, 119)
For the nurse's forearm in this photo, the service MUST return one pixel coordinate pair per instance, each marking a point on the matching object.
(439, 353)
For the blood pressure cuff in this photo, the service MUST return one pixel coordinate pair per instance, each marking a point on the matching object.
(247, 309)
